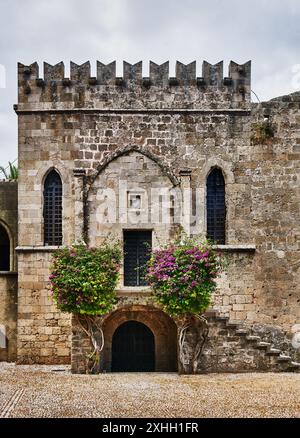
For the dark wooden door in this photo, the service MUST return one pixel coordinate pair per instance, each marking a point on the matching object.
(137, 251)
(133, 348)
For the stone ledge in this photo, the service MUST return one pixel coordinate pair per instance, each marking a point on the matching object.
(8, 273)
(225, 248)
(238, 111)
(235, 248)
(131, 290)
(37, 248)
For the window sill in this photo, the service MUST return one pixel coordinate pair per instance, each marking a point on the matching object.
(128, 290)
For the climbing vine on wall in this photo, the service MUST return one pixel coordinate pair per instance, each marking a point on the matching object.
(83, 282)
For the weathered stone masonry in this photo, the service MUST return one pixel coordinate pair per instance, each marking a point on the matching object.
(8, 279)
(93, 130)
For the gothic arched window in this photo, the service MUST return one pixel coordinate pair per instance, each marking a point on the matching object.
(53, 209)
(4, 249)
(215, 206)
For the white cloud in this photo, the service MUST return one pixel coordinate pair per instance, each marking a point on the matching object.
(262, 30)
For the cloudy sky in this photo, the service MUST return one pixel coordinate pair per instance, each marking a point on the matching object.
(265, 31)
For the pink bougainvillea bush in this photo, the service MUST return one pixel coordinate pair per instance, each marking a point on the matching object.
(183, 276)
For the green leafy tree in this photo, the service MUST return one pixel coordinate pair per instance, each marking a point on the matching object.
(83, 282)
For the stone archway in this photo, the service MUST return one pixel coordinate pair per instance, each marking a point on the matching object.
(161, 325)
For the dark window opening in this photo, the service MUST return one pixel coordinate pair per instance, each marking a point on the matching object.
(172, 209)
(53, 209)
(137, 251)
(4, 250)
(133, 348)
(215, 207)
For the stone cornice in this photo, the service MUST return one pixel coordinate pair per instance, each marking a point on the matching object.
(37, 248)
(221, 111)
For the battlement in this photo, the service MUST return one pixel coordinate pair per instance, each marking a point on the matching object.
(106, 89)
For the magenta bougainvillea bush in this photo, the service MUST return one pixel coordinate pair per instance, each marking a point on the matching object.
(183, 276)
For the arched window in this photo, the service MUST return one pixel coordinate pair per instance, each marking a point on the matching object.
(4, 250)
(53, 209)
(215, 206)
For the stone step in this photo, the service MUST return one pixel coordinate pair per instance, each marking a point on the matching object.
(222, 318)
(242, 332)
(263, 345)
(294, 366)
(273, 352)
(211, 314)
(284, 358)
(232, 324)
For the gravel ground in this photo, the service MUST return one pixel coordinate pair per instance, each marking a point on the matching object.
(52, 391)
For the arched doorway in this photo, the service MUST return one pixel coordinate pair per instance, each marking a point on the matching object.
(4, 250)
(133, 348)
(161, 326)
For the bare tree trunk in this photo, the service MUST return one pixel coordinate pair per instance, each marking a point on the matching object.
(183, 346)
(95, 333)
(193, 333)
(203, 331)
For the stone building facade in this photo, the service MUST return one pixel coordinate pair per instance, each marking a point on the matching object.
(116, 141)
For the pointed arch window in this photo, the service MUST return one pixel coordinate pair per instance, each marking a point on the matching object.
(4, 249)
(52, 209)
(215, 206)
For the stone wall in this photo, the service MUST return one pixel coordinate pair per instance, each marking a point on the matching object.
(43, 331)
(228, 348)
(108, 212)
(8, 315)
(161, 325)
(9, 215)
(8, 280)
(275, 203)
(132, 91)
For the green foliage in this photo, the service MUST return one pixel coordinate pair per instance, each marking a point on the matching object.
(262, 133)
(183, 275)
(83, 279)
(13, 172)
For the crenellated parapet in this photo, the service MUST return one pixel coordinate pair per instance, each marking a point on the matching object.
(132, 89)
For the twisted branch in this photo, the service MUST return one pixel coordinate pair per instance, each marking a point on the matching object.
(201, 340)
(200, 344)
(181, 341)
(91, 333)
